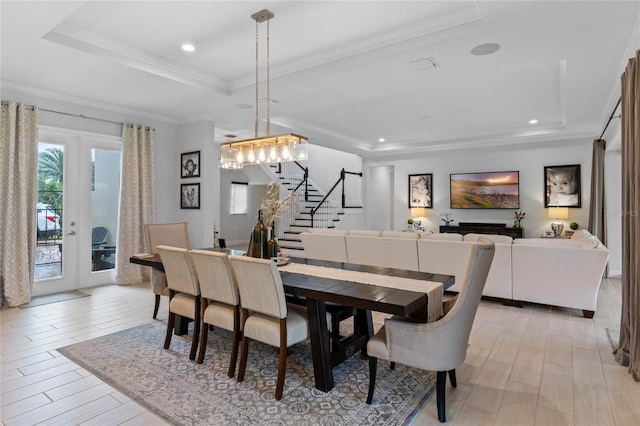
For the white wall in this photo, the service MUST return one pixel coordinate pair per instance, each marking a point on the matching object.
(529, 162)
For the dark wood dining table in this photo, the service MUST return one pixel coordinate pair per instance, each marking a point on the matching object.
(318, 291)
(315, 292)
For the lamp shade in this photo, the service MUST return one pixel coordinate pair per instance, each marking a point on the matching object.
(558, 213)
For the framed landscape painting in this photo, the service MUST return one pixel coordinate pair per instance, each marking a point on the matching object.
(420, 191)
(562, 186)
(486, 190)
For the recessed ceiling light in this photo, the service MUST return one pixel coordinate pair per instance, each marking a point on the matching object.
(188, 47)
(381, 140)
(533, 121)
(485, 49)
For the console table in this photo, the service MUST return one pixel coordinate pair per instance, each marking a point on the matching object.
(483, 229)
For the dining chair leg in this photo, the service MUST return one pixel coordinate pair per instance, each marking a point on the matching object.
(392, 365)
(452, 378)
(373, 369)
(155, 308)
(236, 341)
(196, 330)
(204, 331)
(441, 380)
(282, 365)
(170, 321)
(243, 358)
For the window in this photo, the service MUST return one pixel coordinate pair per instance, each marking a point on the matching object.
(239, 197)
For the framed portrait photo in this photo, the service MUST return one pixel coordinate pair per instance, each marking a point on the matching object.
(190, 164)
(420, 191)
(190, 196)
(562, 186)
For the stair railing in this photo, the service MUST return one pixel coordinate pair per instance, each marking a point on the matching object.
(343, 174)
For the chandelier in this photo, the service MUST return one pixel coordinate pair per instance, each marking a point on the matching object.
(265, 149)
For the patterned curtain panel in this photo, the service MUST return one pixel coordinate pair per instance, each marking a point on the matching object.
(628, 351)
(18, 198)
(137, 200)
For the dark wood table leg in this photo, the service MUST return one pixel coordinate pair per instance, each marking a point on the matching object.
(320, 344)
(181, 325)
(364, 326)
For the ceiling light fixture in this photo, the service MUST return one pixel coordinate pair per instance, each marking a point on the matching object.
(282, 148)
(188, 47)
(381, 140)
(533, 121)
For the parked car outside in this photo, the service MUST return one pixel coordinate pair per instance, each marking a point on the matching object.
(48, 221)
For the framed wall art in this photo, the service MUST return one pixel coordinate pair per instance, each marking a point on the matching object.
(562, 186)
(420, 191)
(485, 190)
(190, 196)
(190, 164)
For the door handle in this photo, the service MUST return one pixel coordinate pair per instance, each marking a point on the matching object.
(72, 233)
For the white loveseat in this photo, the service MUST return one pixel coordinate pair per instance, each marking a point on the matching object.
(550, 271)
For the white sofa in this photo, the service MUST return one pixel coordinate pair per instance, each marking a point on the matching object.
(550, 271)
(558, 272)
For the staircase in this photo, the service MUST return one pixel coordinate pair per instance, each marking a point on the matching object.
(291, 225)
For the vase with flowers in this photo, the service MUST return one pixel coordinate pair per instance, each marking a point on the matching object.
(518, 215)
(272, 208)
(447, 218)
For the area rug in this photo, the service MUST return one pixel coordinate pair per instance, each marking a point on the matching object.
(186, 393)
(53, 298)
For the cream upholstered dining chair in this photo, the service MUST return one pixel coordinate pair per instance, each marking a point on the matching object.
(173, 234)
(184, 291)
(437, 346)
(220, 299)
(266, 316)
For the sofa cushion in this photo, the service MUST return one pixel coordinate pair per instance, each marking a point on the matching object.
(401, 234)
(584, 235)
(400, 253)
(324, 246)
(499, 239)
(365, 233)
(328, 231)
(554, 242)
(442, 237)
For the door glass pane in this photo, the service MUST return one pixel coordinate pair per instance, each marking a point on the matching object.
(49, 211)
(105, 192)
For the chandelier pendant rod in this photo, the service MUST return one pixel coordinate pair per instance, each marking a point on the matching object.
(268, 84)
(256, 124)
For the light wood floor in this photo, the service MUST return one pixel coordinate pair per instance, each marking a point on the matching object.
(532, 366)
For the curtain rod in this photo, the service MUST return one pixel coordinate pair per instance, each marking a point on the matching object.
(611, 117)
(82, 116)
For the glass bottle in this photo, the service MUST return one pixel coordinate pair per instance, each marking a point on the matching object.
(259, 239)
(272, 245)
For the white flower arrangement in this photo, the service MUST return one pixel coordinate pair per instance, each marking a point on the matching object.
(272, 206)
(447, 217)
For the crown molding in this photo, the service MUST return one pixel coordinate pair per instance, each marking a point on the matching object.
(50, 94)
(85, 41)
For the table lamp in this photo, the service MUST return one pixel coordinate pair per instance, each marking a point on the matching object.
(558, 213)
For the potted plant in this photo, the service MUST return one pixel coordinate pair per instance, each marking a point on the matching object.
(574, 226)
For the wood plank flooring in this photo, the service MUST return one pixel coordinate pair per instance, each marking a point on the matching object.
(536, 365)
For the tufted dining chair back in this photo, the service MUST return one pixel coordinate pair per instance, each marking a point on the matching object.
(441, 345)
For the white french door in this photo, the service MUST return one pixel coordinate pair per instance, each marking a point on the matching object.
(85, 197)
